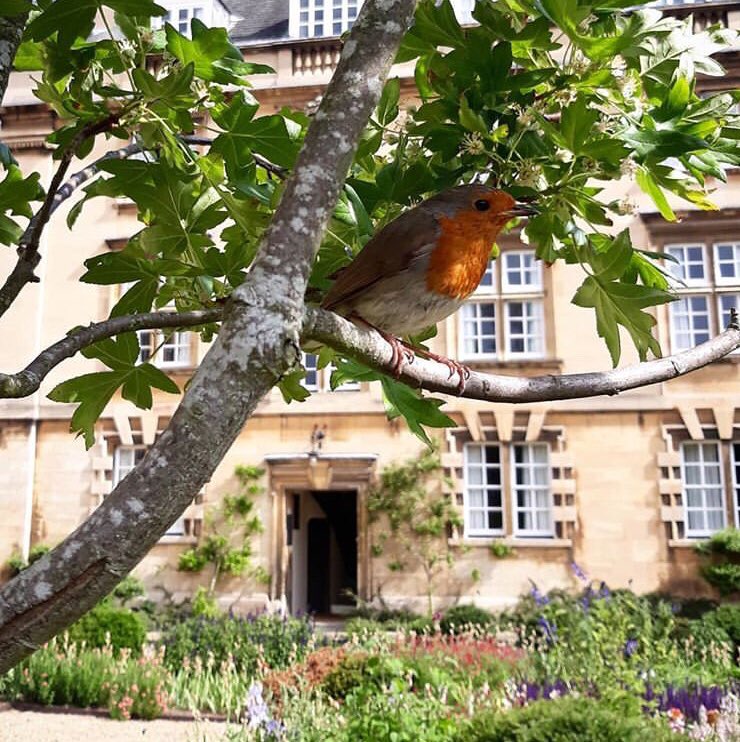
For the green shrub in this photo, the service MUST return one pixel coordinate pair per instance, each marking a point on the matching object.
(62, 673)
(120, 627)
(460, 617)
(127, 589)
(16, 563)
(724, 576)
(566, 720)
(352, 672)
(727, 618)
(722, 569)
(273, 640)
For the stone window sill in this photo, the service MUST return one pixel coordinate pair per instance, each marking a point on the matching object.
(685, 543)
(517, 543)
(168, 540)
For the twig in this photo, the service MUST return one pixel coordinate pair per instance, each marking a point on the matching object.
(263, 162)
(28, 380)
(28, 245)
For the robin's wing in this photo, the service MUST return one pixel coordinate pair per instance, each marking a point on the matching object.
(388, 253)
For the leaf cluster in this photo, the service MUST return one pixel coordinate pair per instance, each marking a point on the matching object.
(228, 547)
(549, 100)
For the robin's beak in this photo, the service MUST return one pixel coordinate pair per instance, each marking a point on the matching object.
(521, 209)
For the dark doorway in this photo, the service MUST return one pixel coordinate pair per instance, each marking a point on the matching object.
(319, 555)
(332, 552)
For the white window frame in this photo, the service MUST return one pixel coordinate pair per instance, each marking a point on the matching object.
(722, 325)
(670, 264)
(296, 25)
(538, 316)
(133, 448)
(532, 489)
(533, 287)
(179, 341)
(495, 355)
(312, 386)
(673, 308)
(731, 280)
(323, 378)
(484, 487)
(492, 288)
(735, 466)
(702, 532)
(500, 295)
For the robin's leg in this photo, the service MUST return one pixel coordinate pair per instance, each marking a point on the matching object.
(462, 371)
(401, 351)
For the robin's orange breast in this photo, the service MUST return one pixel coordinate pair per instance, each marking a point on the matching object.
(459, 260)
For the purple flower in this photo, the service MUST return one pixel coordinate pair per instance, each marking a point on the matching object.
(604, 591)
(549, 629)
(539, 598)
(630, 647)
(578, 572)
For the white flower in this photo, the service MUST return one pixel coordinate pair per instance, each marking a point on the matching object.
(628, 167)
(473, 144)
(564, 97)
(564, 155)
(530, 175)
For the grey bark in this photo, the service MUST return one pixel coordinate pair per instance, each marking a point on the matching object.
(11, 31)
(258, 342)
(369, 348)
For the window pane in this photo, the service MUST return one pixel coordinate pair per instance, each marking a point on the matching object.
(311, 379)
(728, 263)
(478, 327)
(524, 328)
(690, 267)
(483, 497)
(532, 494)
(689, 322)
(702, 488)
(522, 271)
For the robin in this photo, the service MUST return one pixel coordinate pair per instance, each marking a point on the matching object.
(422, 266)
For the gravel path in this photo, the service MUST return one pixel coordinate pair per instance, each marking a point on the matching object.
(34, 726)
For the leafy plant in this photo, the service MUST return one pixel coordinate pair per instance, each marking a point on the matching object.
(247, 642)
(16, 563)
(63, 673)
(722, 564)
(500, 550)
(227, 546)
(419, 516)
(566, 719)
(462, 617)
(546, 100)
(107, 625)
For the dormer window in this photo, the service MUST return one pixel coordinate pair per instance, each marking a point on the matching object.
(180, 14)
(312, 18)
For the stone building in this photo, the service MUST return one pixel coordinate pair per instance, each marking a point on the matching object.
(622, 486)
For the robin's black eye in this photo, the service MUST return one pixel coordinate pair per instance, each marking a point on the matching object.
(482, 205)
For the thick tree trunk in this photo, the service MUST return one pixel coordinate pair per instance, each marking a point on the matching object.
(11, 30)
(258, 342)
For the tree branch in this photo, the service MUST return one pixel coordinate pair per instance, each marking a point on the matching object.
(368, 347)
(258, 342)
(263, 162)
(28, 380)
(11, 32)
(28, 245)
